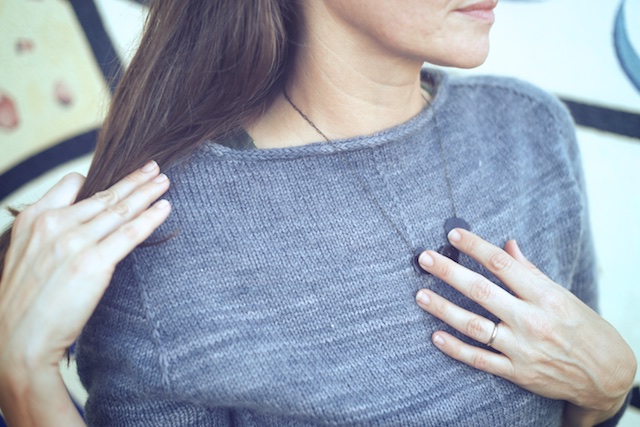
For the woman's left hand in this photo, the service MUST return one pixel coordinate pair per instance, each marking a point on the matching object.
(550, 342)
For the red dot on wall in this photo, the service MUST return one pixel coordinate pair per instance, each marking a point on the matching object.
(24, 45)
(63, 93)
(8, 113)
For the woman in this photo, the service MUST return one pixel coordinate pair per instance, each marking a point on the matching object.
(311, 162)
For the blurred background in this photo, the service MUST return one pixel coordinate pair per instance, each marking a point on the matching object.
(60, 60)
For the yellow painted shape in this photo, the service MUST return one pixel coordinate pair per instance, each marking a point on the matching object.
(61, 52)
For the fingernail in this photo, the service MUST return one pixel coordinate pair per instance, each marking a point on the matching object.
(149, 166)
(425, 259)
(162, 204)
(454, 236)
(423, 298)
(160, 178)
(437, 340)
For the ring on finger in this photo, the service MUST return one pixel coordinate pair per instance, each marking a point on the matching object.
(494, 333)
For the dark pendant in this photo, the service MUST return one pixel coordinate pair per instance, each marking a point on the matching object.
(455, 222)
(449, 251)
(446, 250)
(414, 260)
(451, 223)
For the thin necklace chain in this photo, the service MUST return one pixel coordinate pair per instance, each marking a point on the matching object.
(445, 165)
(366, 186)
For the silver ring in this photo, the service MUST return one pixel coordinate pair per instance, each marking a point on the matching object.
(494, 333)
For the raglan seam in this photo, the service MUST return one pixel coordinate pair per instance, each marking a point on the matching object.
(154, 323)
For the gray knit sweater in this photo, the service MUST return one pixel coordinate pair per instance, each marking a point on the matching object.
(286, 298)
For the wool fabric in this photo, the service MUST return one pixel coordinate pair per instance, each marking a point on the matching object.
(282, 296)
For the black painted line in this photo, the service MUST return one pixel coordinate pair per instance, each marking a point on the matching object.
(44, 161)
(100, 42)
(605, 119)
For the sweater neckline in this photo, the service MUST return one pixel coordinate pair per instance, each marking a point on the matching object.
(240, 145)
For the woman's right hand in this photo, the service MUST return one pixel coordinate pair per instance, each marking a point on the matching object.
(59, 263)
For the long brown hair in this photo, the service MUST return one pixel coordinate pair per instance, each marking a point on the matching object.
(204, 68)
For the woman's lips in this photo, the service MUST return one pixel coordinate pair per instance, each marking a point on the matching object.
(482, 10)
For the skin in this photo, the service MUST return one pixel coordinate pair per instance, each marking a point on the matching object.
(358, 67)
(357, 72)
(42, 310)
(546, 335)
(363, 59)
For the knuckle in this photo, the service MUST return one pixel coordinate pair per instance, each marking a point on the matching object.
(479, 361)
(446, 269)
(130, 232)
(440, 308)
(134, 178)
(66, 245)
(540, 328)
(554, 302)
(500, 261)
(121, 209)
(474, 329)
(480, 289)
(148, 192)
(471, 245)
(81, 263)
(108, 197)
(47, 222)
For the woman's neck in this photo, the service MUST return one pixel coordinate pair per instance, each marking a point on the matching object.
(346, 85)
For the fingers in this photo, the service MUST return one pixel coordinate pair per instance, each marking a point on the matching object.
(92, 206)
(473, 285)
(512, 248)
(61, 215)
(475, 357)
(519, 278)
(62, 194)
(543, 346)
(51, 286)
(128, 208)
(464, 321)
(122, 241)
(71, 229)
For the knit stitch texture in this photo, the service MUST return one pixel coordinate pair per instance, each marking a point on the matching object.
(285, 298)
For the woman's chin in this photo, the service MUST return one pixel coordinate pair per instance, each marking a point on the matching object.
(468, 58)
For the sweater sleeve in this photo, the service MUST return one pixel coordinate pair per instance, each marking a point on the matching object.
(121, 367)
(584, 278)
(584, 284)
